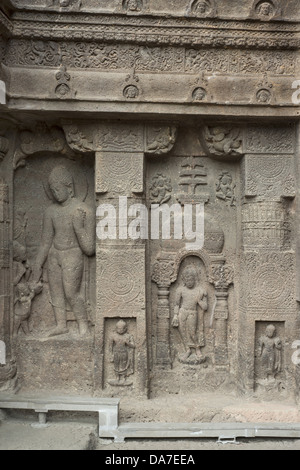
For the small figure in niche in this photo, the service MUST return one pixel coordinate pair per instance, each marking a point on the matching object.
(265, 9)
(133, 5)
(131, 92)
(24, 295)
(199, 94)
(270, 351)
(201, 8)
(187, 319)
(76, 4)
(263, 96)
(122, 354)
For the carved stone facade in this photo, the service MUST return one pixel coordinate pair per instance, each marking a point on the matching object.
(149, 197)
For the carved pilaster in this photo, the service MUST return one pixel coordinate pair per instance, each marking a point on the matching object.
(221, 277)
(268, 189)
(163, 274)
(4, 261)
(268, 177)
(8, 370)
(121, 274)
(121, 260)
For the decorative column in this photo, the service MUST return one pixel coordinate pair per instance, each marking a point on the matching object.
(163, 273)
(4, 263)
(267, 269)
(7, 364)
(121, 256)
(221, 277)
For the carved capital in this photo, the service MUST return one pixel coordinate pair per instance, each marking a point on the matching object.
(160, 139)
(104, 137)
(163, 273)
(271, 139)
(269, 176)
(119, 137)
(40, 139)
(222, 140)
(221, 276)
(77, 139)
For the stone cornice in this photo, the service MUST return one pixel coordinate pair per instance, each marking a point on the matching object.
(154, 20)
(156, 30)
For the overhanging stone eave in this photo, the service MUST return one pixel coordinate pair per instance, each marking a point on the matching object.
(180, 112)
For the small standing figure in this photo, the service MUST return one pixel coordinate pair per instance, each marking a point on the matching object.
(270, 351)
(21, 267)
(122, 354)
(187, 319)
(225, 188)
(25, 293)
(161, 189)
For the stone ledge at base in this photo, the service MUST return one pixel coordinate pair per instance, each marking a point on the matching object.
(107, 408)
(224, 432)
